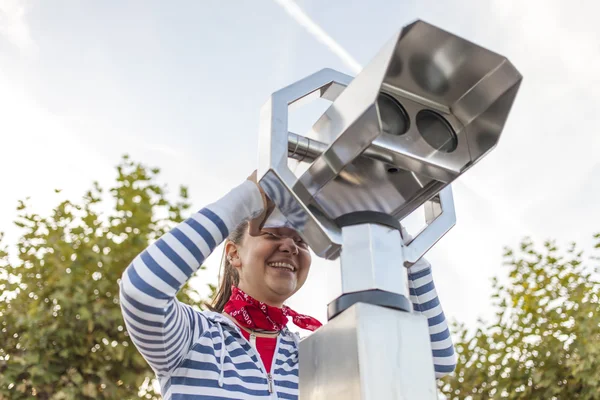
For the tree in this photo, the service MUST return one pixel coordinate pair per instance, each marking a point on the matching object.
(62, 334)
(544, 341)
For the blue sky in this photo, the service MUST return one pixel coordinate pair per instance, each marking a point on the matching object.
(179, 85)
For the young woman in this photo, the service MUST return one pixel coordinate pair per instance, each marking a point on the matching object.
(242, 349)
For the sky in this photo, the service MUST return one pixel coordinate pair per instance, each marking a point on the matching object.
(179, 85)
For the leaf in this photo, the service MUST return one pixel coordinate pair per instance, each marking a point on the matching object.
(90, 390)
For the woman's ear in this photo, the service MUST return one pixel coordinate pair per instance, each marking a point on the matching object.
(232, 254)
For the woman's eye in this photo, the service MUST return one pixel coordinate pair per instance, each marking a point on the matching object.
(301, 242)
(297, 240)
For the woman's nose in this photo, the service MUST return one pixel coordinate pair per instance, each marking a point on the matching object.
(288, 244)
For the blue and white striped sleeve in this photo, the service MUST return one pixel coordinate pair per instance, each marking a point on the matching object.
(161, 327)
(425, 301)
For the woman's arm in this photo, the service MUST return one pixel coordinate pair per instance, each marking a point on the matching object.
(425, 300)
(161, 327)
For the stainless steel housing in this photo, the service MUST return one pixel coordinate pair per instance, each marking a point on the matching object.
(422, 112)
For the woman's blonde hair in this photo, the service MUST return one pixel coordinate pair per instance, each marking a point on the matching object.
(228, 274)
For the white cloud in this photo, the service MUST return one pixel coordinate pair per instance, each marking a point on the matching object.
(13, 26)
(40, 153)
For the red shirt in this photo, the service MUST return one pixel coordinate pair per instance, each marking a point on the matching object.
(265, 347)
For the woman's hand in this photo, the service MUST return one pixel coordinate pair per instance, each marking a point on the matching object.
(255, 225)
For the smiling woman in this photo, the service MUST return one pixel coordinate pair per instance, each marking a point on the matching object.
(242, 348)
(271, 266)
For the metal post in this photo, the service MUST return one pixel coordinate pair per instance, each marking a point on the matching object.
(369, 351)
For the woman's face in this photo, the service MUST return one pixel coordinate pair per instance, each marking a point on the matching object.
(272, 266)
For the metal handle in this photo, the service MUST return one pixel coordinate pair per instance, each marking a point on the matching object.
(440, 216)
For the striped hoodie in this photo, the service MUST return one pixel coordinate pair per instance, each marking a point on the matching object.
(203, 355)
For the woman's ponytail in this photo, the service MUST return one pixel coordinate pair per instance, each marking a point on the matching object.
(230, 275)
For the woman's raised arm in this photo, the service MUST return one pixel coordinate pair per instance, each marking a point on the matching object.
(425, 301)
(161, 327)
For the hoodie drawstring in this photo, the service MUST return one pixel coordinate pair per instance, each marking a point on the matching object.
(222, 360)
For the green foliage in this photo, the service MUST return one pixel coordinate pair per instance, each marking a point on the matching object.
(62, 334)
(544, 342)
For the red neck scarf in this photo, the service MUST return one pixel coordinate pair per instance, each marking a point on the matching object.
(254, 314)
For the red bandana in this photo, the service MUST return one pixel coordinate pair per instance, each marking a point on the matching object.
(254, 314)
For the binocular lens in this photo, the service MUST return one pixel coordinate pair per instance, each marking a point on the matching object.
(436, 131)
(394, 120)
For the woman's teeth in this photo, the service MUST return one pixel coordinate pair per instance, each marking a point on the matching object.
(282, 265)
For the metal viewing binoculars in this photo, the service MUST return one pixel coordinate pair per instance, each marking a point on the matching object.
(427, 108)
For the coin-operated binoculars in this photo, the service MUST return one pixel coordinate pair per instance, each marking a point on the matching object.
(427, 108)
